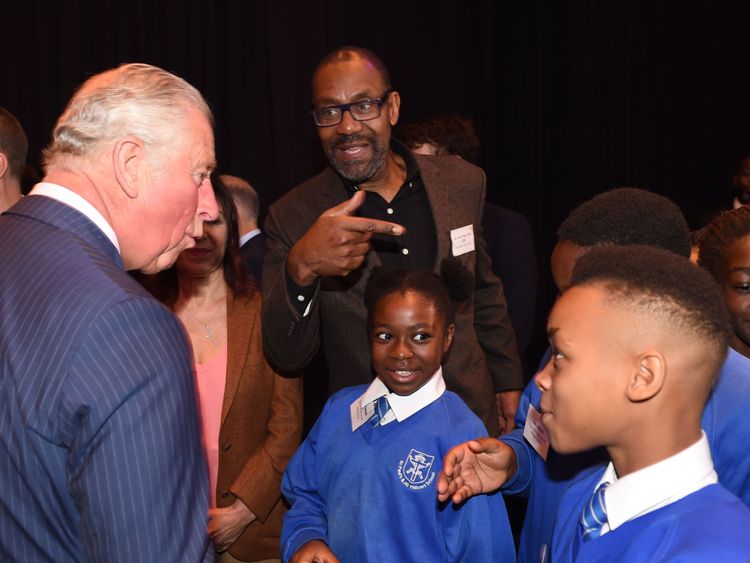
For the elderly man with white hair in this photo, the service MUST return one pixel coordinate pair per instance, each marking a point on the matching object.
(100, 453)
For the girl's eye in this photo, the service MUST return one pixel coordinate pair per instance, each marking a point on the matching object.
(422, 337)
(742, 288)
(382, 336)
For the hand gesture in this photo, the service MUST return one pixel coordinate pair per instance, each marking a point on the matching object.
(314, 551)
(336, 243)
(474, 467)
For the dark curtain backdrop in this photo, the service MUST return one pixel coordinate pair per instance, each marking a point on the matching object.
(569, 97)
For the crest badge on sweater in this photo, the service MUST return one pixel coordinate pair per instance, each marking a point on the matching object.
(414, 472)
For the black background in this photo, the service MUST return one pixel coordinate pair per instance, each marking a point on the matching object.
(569, 98)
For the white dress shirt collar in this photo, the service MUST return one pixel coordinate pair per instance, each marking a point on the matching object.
(72, 199)
(248, 235)
(403, 406)
(657, 485)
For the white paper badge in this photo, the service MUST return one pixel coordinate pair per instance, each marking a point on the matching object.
(462, 240)
(536, 433)
(360, 415)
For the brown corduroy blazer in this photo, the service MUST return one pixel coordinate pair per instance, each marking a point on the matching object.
(261, 427)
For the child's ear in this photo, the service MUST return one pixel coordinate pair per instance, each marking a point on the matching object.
(648, 378)
(449, 336)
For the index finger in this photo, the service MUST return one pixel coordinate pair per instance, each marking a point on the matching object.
(367, 225)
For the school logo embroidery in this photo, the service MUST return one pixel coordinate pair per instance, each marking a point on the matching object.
(414, 472)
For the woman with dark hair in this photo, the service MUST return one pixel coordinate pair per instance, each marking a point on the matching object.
(252, 416)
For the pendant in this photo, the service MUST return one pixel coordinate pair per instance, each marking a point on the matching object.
(209, 332)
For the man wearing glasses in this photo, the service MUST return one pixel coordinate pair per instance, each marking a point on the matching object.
(378, 204)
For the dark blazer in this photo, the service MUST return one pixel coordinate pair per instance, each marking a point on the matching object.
(483, 358)
(261, 427)
(510, 244)
(99, 433)
(253, 252)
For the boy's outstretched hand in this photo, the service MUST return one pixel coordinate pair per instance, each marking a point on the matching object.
(314, 551)
(474, 467)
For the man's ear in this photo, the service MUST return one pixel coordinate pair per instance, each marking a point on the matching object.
(3, 165)
(394, 106)
(648, 378)
(130, 165)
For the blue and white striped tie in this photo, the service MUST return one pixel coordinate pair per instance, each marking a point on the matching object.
(594, 514)
(381, 409)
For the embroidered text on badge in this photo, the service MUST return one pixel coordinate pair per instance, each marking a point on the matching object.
(462, 240)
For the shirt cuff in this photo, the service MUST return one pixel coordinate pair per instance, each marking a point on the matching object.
(300, 296)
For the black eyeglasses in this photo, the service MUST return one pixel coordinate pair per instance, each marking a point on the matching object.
(361, 110)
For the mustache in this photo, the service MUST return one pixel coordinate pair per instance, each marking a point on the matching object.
(352, 139)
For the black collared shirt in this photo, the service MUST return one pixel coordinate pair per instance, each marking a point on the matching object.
(410, 207)
(414, 250)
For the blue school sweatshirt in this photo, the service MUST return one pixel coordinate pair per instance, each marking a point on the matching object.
(371, 494)
(725, 421)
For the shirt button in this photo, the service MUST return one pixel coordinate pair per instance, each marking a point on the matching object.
(389, 211)
(224, 494)
(404, 251)
(300, 298)
(410, 184)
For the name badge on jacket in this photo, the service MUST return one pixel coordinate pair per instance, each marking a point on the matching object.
(462, 240)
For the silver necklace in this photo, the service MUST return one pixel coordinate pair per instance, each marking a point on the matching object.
(207, 326)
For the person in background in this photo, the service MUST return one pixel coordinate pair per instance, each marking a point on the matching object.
(252, 415)
(101, 449)
(376, 195)
(510, 240)
(13, 150)
(725, 253)
(252, 239)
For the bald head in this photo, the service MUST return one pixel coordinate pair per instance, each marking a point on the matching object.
(245, 199)
(355, 54)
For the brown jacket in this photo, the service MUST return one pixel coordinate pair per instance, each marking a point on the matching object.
(483, 359)
(261, 427)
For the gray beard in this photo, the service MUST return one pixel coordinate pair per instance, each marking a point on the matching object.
(361, 171)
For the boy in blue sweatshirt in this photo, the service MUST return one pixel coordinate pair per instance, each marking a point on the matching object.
(623, 216)
(362, 485)
(636, 342)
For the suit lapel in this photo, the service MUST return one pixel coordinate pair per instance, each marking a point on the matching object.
(240, 327)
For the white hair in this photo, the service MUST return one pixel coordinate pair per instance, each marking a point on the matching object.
(133, 99)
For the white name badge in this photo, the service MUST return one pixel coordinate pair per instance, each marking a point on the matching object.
(535, 432)
(462, 240)
(360, 415)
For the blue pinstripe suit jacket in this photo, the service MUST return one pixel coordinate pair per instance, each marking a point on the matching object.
(100, 454)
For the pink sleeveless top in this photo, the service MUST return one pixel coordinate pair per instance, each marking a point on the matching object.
(211, 379)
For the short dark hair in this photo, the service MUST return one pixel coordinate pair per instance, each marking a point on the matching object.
(454, 285)
(662, 284)
(455, 134)
(628, 216)
(719, 236)
(352, 52)
(13, 143)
